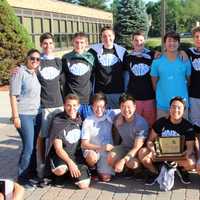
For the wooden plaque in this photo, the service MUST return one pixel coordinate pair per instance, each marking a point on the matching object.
(170, 148)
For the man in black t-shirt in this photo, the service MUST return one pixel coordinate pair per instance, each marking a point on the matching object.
(194, 92)
(139, 85)
(77, 67)
(64, 150)
(175, 125)
(109, 67)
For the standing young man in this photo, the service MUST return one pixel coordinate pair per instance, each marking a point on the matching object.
(49, 76)
(138, 63)
(109, 67)
(194, 92)
(132, 130)
(78, 66)
(170, 75)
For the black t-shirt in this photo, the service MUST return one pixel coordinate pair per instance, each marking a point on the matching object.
(164, 127)
(194, 56)
(139, 65)
(69, 131)
(78, 70)
(49, 76)
(109, 70)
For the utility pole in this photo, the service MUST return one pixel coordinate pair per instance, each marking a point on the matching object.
(162, 12)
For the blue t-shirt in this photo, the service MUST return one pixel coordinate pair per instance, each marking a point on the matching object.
(172, 80)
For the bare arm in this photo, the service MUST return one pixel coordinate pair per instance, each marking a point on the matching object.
(85, 144)
(73, 168)
(15, 114)
(154, 81)
(18, 192)
(136, 147)
(189, 148)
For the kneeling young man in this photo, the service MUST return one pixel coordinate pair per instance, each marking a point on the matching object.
(64, 150)
(97, 136)
(132, 130)
(174, 125)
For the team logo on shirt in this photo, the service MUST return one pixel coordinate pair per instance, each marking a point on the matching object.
(140, 69)
(108, 59)
(196, 64)
(169, 133)
(72, 136)
(49, 73)
(78, 69)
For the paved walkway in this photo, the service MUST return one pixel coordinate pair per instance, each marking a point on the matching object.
(118, 189)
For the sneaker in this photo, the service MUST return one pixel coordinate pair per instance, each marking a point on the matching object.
(151, 178)
(27, 185)
(184, 176)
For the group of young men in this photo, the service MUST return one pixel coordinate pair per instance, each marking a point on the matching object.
(92, 83)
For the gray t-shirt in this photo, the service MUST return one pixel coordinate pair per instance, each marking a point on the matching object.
(26, 87)
(138, 128)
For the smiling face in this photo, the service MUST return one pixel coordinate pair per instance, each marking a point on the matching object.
(33, 61)
(99, 108)
(127, 110)
(108, 38)
(176, 111)
(171, 44)
(71, 107)
(196, 39)
(138, 43)
(80, 44)
(47, 46)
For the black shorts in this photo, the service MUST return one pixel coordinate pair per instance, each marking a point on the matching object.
(55, 162)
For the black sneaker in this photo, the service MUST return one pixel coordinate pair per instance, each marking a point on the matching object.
(151, 178)
(184, 176)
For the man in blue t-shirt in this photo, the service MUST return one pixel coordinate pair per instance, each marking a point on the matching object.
(170, 75)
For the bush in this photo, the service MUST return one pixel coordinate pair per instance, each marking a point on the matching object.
(153, 44)
(14, 41)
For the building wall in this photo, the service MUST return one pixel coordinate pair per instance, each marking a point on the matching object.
(61, 19)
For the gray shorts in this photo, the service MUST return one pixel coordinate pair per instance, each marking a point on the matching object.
(194, 113)
(102, 165)
(47, 116)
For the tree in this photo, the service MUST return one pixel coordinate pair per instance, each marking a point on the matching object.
(131, 16)
(14, 40)
(99, 4)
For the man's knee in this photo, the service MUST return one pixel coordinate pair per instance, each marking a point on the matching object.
(91, 158)
(83, 184)
(59, 171)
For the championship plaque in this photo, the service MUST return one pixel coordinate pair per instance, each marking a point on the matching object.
(169, 148)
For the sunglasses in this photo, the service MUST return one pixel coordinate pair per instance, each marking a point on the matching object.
(34, 58)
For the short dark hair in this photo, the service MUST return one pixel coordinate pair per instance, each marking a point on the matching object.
(138, 33)
(177, 98)
(172, 34)
(31, 51)
(195, 30)
(98, 97)
(72, 96)
(80, 34)
(45, 36)
(107, 28)
(125, 97)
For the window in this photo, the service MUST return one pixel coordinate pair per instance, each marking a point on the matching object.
(75, 27)
(46, 25)
(69, 27)
(27, 24)
(62, 26)
(37, 24)
(55, 26)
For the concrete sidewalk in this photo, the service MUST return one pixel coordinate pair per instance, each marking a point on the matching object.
(118, 189)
